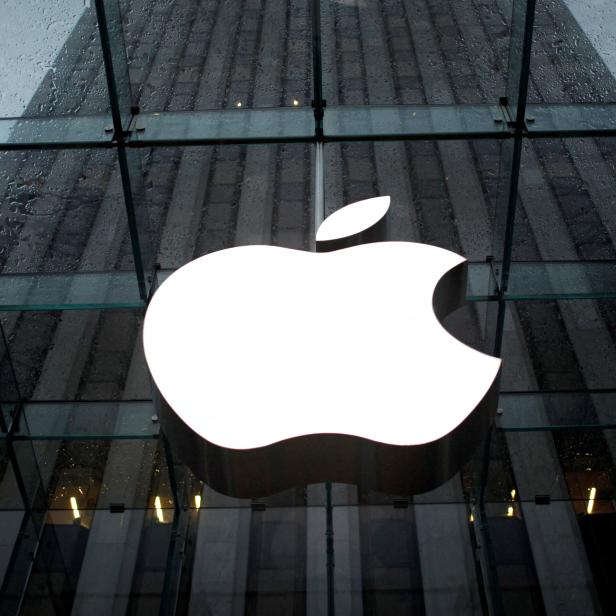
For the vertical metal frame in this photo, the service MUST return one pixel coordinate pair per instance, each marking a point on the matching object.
(122, 112)
(318, 104)
(29, 484)
(513, 106)
(11, 396)
(175, 553)
(523, 16)
(22, 459)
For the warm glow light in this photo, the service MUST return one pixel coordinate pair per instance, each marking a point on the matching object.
(513, 494)
(509, 512)
(198, 501)
(239, 103)
(295, 102)
(159, 509)
(74, 507)
(471, 518)
(591, 500)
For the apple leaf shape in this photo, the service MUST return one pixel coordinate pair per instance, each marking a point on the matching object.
(275, 368)
(358, 223)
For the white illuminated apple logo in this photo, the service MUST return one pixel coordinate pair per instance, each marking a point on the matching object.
(276, 368)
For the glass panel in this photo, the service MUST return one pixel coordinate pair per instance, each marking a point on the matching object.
(76, 420)
(543, 490)
(390, 558)
(413, 121)
(562, 280)
(585, 460)
(519, 589)
(553, 411)
(61, 211)
(566, 196)
(80, 476)
(570, 119)
(573, 53)
(55, 132)
(408, 52)
(73, 355)
(77, 565)
(233, 125)
(209, 198)
(442, 192)
(199, 56)
(52, 61)
(45, 292)
(564, 345)
(106, 290)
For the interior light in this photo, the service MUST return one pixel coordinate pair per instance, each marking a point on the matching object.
(159, 509)
(513, 494)
(74, 507)
(591, 500)
(198, 501)
(509, 512)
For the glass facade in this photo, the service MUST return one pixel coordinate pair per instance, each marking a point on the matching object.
(137, 135)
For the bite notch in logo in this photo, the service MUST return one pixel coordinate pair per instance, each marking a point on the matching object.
(276, 368)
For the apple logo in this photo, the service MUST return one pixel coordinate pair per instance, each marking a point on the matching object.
(276, 368)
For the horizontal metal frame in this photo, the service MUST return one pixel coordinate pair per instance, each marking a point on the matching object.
(568, 120)
(106, 420)
(293, 125)
(529, 281)
(414, 122)
(518, 412)
(60, 132)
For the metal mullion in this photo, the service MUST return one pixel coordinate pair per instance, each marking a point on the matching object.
(510, 189)
(56, 133)
(15, 396)
(318, 103)
(522, 22)
(178, 128)
(507, 195)
(523, 77)
(175, 553)
(20, 566)
(129, 202)
(110, 72)
(121, 92)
